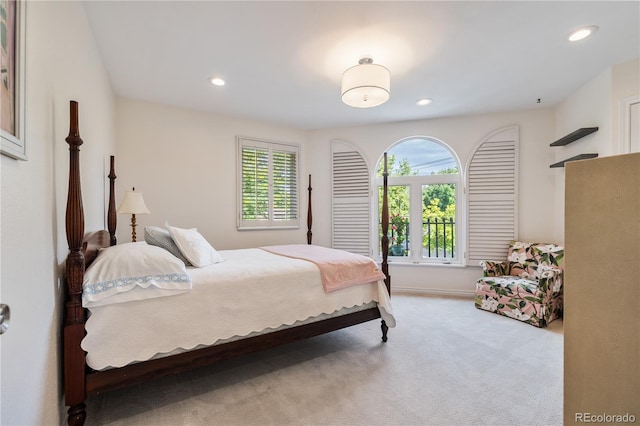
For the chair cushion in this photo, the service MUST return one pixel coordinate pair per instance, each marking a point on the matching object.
(510, 282)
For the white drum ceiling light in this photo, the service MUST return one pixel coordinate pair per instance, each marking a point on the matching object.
(366, 85)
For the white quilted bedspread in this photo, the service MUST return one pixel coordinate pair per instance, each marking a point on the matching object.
(251, 291)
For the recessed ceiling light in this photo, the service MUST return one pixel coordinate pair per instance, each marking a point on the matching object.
(216, 81)
(582, 33)
(424, 101)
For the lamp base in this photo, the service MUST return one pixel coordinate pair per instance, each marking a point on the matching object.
(133, 228)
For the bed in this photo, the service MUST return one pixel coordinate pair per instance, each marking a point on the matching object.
(91, 366)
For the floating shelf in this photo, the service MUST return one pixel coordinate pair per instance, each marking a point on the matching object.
(577, 157)
(574, 136)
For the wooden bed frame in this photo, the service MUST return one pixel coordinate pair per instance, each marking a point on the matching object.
(80, 380)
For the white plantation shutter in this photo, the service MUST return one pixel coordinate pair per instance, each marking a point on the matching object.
(285, 185)
(255, 183)
(351, 210)
(267, 184)
(492, 197)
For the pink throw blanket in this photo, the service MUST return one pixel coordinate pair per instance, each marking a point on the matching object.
(338, 269)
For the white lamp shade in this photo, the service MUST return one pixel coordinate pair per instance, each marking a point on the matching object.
(133, 203)
(366, 85)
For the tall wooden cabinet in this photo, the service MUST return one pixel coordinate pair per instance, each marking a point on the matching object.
(602, 288)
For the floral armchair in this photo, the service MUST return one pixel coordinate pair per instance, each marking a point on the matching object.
(527, 287)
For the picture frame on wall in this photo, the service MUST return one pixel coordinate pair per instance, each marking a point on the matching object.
(12, 81)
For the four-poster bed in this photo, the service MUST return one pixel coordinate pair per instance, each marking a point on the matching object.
(81, 380)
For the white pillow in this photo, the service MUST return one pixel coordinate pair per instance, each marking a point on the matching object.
(194, 247)
(133, 271)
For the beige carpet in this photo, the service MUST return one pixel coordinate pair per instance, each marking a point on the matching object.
(446, 363)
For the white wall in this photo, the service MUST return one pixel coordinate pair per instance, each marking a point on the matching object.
(589, 106)
(536, 210)
(625, 89)
(62, 65)
(184, 163)
(595, 104)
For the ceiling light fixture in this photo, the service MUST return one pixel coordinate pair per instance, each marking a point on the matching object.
(216, 81)
(366, 85)
(424, 101)
(582, 33)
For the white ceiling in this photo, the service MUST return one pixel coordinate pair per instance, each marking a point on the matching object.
(283, 61)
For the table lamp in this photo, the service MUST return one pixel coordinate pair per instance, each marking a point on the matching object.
(133, 204)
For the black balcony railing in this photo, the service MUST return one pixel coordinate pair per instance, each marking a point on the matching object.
(442, 238)
(438, 241)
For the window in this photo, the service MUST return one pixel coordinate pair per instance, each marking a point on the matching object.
(267, 185)
(424, 186)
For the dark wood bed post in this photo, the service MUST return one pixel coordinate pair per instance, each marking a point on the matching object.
(112, 220)
(385, 226)
(385, 239)
(309, 215)
(74, 356)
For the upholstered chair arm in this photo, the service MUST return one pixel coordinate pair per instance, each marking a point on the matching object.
(551, 280)
(495, 269)
(551, 273)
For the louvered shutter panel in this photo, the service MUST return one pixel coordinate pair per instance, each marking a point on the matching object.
(255, 183)
(492, 196)
(351, 200)
(285, 185)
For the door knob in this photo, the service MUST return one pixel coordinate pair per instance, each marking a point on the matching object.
(5, 316)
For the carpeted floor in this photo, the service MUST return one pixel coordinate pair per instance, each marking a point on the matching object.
(446, 363)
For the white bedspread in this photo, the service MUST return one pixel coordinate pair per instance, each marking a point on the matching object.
(252, 290)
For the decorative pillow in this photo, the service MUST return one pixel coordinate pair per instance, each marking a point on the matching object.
(519, 257)
(194, 247)
(160, 237)
(133, 271)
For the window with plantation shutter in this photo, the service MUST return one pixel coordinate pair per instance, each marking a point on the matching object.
(492, 196)
(268, 184)
(351, 210)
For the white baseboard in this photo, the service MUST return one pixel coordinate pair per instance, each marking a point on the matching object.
(435, 291)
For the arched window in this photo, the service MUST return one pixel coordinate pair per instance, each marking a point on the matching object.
(425, 184)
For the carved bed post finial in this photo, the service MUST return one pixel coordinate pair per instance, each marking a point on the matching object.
(309, 215)
(75, 214)
(74, 378)
(74, 220)
(111, 213)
